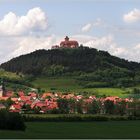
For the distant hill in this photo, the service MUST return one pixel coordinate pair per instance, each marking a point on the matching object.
(58, 61)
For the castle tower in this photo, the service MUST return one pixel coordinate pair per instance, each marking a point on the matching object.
(66, 38)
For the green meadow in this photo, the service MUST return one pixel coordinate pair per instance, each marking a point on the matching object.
(109, 129)
(70, 84)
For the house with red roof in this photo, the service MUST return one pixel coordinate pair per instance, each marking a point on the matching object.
(9, 94)
(4, 98)
(49, 95)
(21, 93)
(2, 106)
(15, 108)
(24, 98)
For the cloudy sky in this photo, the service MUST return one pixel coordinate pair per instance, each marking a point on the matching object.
(111, 25)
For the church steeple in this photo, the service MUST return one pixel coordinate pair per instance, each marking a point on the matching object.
(2, 88)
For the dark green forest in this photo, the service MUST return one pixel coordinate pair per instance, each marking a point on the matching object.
(82, 59)
(89, 64)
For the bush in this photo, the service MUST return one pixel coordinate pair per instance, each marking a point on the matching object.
(66, 118)
(96, 85)
(119, 118)
(11, 121)
(95, 118)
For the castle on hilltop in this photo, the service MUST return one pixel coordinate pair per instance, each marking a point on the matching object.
(67, 44)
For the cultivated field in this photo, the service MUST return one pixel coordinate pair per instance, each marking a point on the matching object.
(68, 84)
(110, 129)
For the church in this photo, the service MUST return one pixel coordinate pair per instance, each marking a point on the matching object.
(2, 89)
(67, 43)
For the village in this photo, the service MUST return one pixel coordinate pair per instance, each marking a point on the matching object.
(50, 102)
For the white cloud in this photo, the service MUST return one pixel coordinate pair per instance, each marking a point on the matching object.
(95, 42)
(137, 46)
(108, 43)
(87, 27)
(30, 44)
(132, 16)
(100, 43)
(34, 20)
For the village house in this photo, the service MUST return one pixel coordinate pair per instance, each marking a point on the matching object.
(15, 108)
(2, 106)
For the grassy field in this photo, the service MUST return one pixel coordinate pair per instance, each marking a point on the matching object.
(111, 129)
(70, 84)
(10, 75)
(57, 84)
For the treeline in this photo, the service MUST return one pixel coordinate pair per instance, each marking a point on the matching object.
(106, 107)
(61, 61)
(115, 77)
(98, 106)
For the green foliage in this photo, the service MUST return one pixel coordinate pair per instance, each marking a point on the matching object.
(7, 103)
(120, 108)
(95, 84)
(135, 93)
(134, 108)
(54, 70)
(66, 118)
(79, 106)
(95, 69)
(11, 121)
(63, 105)
(114, 77)
(94, 107)
(58, 61)
(10, 75)
(109, 107)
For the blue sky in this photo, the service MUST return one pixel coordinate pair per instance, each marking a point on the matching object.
(111, 25)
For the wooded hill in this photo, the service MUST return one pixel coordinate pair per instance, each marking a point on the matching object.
(60, 61)
(91, 67)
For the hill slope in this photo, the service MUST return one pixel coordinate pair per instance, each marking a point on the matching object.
(59, 61)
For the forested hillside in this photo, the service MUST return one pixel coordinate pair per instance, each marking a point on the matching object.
(60, 61)
(89, 67)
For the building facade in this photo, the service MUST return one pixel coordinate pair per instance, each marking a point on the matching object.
(67, 43)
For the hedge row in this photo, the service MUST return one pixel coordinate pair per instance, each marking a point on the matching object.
(77, 118)
(65, 118)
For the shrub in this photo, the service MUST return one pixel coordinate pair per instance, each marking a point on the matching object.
(11, 121)
(95, 118)
(109, 106)
(66, 118)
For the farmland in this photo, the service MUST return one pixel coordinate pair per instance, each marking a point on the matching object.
(111, 129)
(70, 84)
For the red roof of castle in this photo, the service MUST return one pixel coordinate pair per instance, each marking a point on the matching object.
(71, 42)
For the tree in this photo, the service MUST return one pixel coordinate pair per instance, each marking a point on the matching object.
(120, 107)
(72, 105)
(94, 107)
(109, 106)
(79, 106)
(63, 105)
